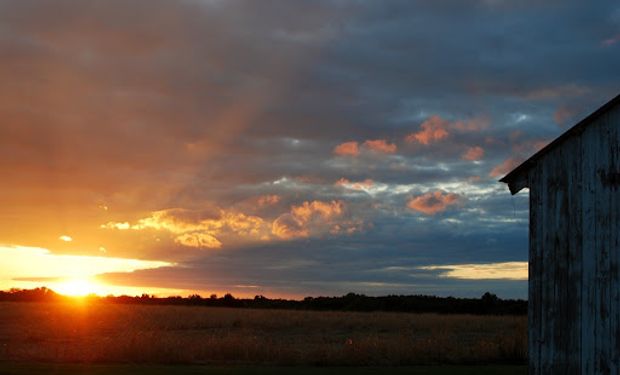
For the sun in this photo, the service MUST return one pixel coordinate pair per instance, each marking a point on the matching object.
(77, 287)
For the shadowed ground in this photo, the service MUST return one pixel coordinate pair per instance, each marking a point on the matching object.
(81, 369)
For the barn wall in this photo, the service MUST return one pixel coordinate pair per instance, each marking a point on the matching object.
(574, 283)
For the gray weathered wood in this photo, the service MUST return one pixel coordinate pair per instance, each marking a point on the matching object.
(574, 254)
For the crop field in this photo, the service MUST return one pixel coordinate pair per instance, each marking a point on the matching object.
(99, 333)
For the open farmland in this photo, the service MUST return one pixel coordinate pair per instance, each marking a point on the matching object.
(111, 333)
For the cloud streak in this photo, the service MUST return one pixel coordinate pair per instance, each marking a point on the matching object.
(490, 271)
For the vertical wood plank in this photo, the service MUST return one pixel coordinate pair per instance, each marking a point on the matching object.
(535, 274)
(613, 209)
(601, 224)
(571, 246)
(556, 246)
(549, 311)
(588, 265)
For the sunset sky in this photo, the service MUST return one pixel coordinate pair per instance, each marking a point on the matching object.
(284, 148)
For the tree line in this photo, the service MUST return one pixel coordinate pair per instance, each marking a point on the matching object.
(487, 304)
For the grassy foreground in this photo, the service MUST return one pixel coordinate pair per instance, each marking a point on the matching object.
(109, 333)
(82, 369)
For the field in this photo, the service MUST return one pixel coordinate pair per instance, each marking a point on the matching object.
(97, 369)
(98, 333)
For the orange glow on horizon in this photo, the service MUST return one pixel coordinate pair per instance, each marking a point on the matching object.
(26, 267)
(82, 287)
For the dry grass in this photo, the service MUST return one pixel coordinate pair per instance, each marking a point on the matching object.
(66, 332)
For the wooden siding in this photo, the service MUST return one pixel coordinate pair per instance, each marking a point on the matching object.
(574, 282)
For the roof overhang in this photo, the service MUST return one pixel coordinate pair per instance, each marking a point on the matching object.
(518, 179)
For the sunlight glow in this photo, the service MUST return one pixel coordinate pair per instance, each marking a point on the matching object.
(65, 238)
(28, 267)
(77, 287)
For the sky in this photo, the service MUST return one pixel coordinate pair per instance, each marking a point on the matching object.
(284, 148)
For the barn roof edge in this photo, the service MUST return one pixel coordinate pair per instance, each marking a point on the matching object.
(578, 128)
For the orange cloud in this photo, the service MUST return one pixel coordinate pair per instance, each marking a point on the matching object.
(116, 225)
(432, 130)
(287, 226)
(194, 228)
(381, 145)
(325, 210)
(473, 153)
(433, 202)
(211, 230)
(347, 148)
(198, 239)
(505, 167)
(267, 200)
(352, 148)
(473, 125)
(313, 219)
(360, 185)
(435, 129)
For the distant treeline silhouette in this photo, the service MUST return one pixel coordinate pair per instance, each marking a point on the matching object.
(488, 304)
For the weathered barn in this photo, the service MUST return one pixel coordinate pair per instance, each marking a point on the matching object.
(574, 251)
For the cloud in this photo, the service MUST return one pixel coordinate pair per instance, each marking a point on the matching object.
(432, 130)
(200, 228)
(611, 41)
(198, 239)
(433, 202)
(31, 262)
(563, 114)
(324, 210)
(347, 149)
(287, 226)
(376, 145)
(473, 153)
(559, 91)
(315, 218)
(505, 167)
(435, 129)
(380, 145)
(475, 124)
(485, 271)
(268, 200)
(524, 145)
(209, 229)
(114, 225)
(360, 185)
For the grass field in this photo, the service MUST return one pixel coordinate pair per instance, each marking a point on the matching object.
(84, 369)
(106, 333)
